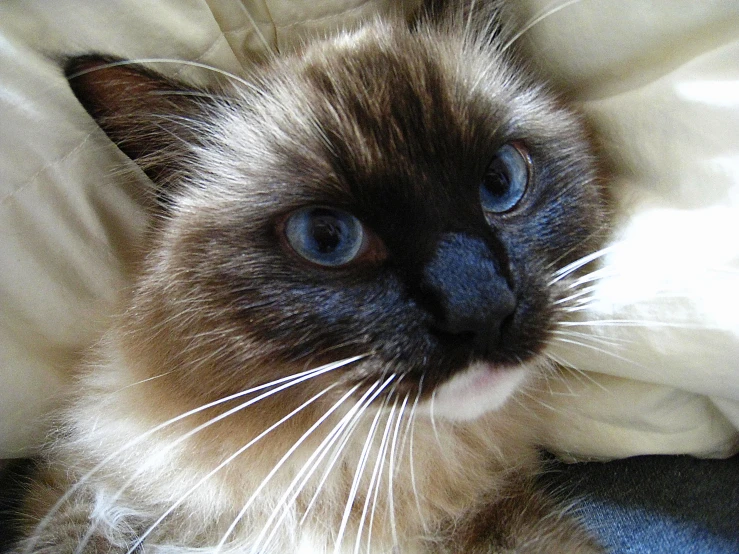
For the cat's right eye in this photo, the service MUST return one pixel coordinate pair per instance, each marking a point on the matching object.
(325, 236)
(506, 179)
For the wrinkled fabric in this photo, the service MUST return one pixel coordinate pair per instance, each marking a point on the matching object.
(660, 85)
(655, 358)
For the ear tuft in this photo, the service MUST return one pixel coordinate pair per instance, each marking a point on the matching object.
(110, 87)
(143, 112)
(135, 107)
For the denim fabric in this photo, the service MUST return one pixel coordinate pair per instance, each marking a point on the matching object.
(657, 504)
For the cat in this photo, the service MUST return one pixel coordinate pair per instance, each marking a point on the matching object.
(336, 332)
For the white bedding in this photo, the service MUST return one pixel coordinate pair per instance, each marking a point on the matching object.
(659, 80)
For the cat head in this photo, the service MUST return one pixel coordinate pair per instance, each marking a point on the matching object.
(405, 194)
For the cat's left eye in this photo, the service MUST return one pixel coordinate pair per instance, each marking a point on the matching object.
(325, 236)
(506, 179)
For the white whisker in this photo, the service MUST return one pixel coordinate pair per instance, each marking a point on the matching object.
(142, 381)
(358, 473)
(433, 420)
(392, 469)
(577, 295)
(536, 399)
(299, 482)
(135, 546)
(585, 305)
(645, 323)
(411, 462)
(547, 12)
(406, 431)
(190, 63)
(577, 373)
(193, 94)
(268, 47)
(615, 342)
(467, 33)
(597, 275)
(597, 349)
(376, 479)
(577, 264)
(294, 489)
(274, 470)
(349, 423)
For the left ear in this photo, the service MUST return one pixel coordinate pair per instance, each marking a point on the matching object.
(147, 115)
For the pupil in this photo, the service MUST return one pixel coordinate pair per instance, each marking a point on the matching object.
(327, 233)
(498, 183)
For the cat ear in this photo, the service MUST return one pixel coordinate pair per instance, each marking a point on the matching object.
(149, 117)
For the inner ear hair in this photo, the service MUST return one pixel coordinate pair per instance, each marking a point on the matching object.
(148, 116)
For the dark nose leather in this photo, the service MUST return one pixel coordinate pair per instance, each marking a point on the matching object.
(470, 298)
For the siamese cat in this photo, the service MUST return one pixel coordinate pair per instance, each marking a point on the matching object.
(334, 339)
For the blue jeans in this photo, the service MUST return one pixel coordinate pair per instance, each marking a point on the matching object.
(657, 504)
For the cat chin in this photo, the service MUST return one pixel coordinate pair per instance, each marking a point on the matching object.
(479, 389)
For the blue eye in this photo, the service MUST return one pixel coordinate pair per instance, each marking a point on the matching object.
(506, 179)
(325, 236)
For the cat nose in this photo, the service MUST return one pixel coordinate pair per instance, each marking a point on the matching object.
(468, 295)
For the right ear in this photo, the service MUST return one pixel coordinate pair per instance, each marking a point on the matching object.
(148, 116)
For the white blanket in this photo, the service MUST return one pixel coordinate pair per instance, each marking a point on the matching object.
(659, 82)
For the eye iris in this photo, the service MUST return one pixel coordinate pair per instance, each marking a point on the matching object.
(324, 236)
(505, 181)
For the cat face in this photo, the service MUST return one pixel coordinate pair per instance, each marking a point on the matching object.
(370, 196)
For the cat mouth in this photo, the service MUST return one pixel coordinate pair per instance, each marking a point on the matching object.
(480, 388)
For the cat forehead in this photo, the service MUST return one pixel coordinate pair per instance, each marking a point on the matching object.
(391, 92)
(384, 111)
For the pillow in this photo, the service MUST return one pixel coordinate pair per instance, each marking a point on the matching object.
(660, 353)
(656, 84)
